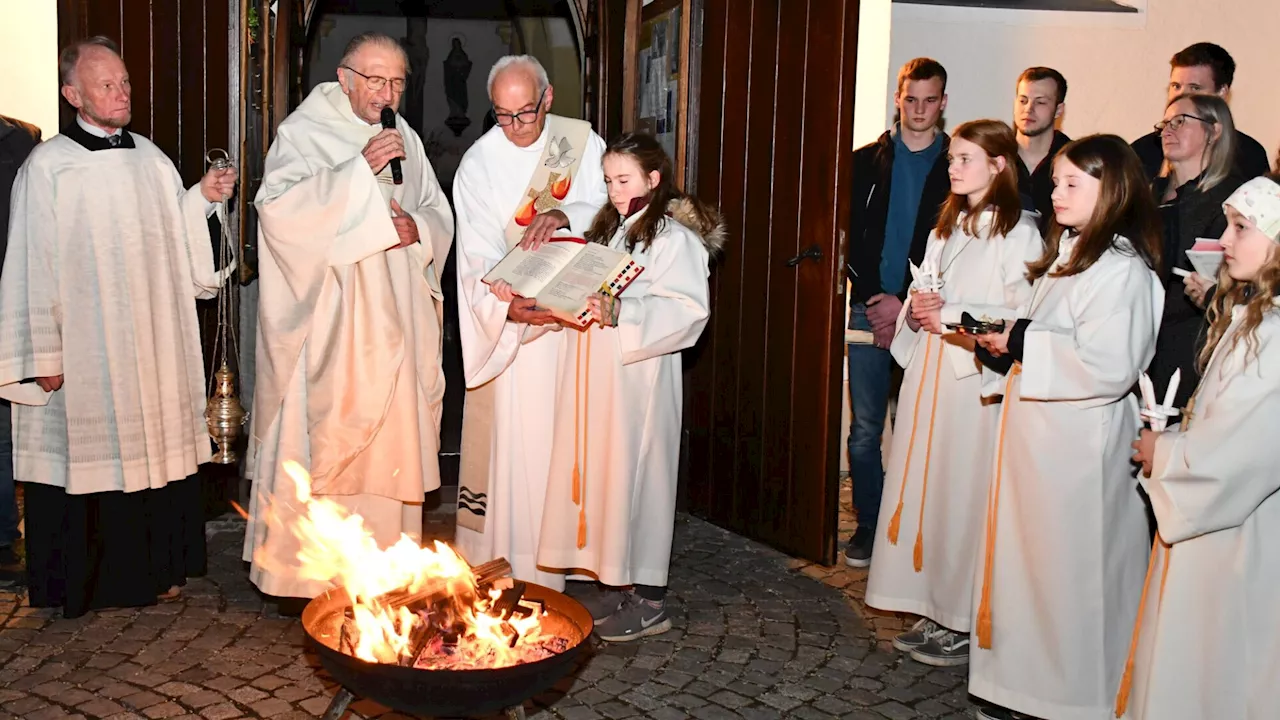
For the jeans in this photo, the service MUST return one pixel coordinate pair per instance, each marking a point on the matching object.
(8, 499)
(870, 380)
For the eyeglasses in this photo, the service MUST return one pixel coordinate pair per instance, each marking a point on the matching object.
(527, 117)
(1176, 122)
(377, 82)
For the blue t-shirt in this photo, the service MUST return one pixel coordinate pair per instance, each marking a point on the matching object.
(910, 169)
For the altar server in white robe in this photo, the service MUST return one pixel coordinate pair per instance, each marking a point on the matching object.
(1207, 644)
(1066, 539)
(940, 459)
(531, 174)
(611, 500)
(100, 351)
(350, 383)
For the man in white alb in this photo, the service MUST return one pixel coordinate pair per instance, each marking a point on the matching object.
(100, 350)
(528, 176)
(349, 383)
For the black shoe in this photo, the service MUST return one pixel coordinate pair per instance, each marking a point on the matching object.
(11, 568)
(858, 552)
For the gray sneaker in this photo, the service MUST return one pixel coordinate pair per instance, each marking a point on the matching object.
(636, 618)
(919, 634)
(600, 600)
(946, 649)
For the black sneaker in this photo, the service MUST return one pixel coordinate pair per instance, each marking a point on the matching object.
(858, 552)
(945, 649)
(921, 633)
(11, 567)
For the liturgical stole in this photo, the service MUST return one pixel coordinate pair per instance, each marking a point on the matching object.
(548, 187)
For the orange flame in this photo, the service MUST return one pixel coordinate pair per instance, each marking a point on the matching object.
(337, 548)
(560, 188)
(526, 214)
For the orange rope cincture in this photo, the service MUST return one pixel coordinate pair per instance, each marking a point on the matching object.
(577, 423)
(911, 443)
(1126, 681)
(993, 504)
(581, 485)
(917, 555)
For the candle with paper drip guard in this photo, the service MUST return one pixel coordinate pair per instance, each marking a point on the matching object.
(1157, 416)
(926, 277)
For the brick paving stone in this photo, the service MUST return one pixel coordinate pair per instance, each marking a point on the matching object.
(757, 636)
(100, 707)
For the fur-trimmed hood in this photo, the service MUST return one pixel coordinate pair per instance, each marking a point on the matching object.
(701, 218)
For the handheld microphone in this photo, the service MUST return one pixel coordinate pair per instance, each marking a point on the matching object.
(389, 122)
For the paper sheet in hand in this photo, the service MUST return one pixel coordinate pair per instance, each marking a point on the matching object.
(1206, 262)
(563, 273)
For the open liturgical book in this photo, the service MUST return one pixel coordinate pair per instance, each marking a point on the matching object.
(563, 273)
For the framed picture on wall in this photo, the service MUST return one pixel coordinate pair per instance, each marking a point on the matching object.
(656, 91)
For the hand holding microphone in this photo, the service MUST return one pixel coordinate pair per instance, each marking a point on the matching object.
(386, 147)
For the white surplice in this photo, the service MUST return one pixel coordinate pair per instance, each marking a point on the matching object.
(350, 383)
(519, 360)
(107, 254)
(1071, 540)
(1209, 643)
(619, 399)
(983, 277)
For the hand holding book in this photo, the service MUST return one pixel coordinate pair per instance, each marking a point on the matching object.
(561, 276)
(604, 309)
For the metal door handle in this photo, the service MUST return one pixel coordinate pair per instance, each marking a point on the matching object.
(813, 252)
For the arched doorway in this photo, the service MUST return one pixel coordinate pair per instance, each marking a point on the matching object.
(451, 46)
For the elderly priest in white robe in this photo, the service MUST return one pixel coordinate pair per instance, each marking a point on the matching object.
(100, 351)
(350, 383)
(531, 174)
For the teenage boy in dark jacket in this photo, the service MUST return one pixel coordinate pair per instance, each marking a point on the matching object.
(899, 182)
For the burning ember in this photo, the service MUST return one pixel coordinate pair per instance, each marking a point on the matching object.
(415, 606)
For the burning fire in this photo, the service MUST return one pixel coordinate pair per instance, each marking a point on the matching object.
(413, 605)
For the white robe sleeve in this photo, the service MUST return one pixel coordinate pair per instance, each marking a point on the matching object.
(1116, 311)
(430, 212)
(489, 341)
(1021, 246)
(590, 181)
(1214, 475)
(317, 217)
(673, 311)
(30, 294)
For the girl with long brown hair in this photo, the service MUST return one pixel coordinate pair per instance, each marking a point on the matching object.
(939, 461)
(1066, 538)
(610, 505)
(1214, 579)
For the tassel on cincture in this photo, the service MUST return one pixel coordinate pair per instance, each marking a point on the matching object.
(582, 527)
(917, 555)
(577, 484)
(895, 524)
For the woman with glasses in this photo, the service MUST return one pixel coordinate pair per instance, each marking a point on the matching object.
(1199, 141)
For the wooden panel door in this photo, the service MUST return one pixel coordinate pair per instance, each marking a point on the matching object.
(775, 141)
(176, 52)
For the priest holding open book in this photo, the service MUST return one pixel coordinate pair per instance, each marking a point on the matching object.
(532, 174)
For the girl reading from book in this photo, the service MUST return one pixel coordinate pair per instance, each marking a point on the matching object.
(611, 497)
(1066, 538)
(940, 459)
(1207, 643)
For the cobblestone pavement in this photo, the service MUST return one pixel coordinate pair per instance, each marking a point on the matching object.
(757, 635)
